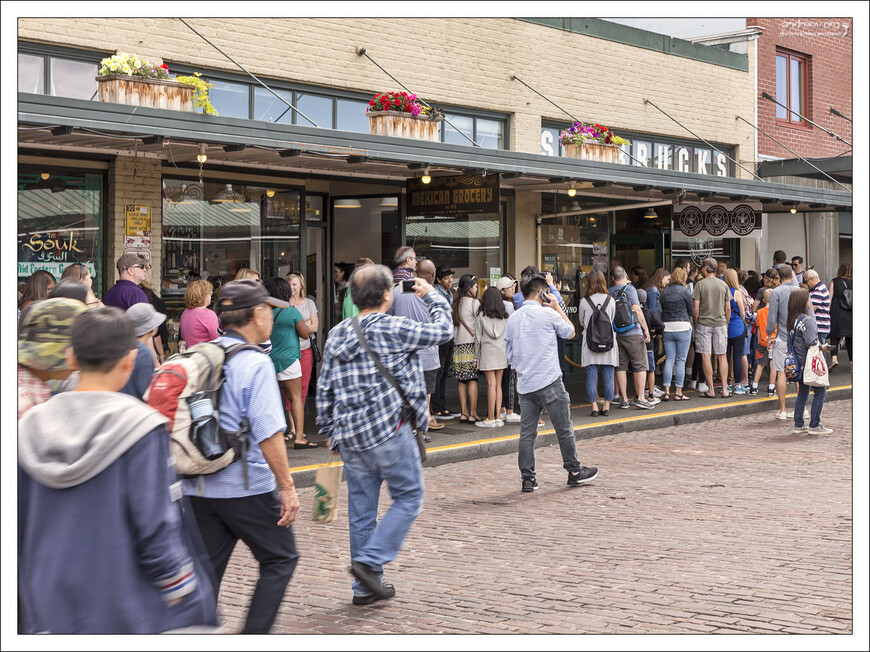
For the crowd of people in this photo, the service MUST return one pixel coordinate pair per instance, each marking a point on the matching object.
(380, 391)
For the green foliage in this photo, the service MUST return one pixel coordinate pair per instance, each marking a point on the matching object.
(200, 92)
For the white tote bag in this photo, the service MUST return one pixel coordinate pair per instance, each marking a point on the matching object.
(815, 368)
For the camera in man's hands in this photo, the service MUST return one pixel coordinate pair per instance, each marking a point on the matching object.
(408, 286)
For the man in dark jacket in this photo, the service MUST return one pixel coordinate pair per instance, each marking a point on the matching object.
(102, 543)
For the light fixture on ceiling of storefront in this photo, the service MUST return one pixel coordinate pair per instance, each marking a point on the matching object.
(202, 157)
(389, 202)
(270, 193)
(793, 210)
(426, 178)
(575, 206)
(44, 176)
(572, 190)
(651, 213)
(347, 203)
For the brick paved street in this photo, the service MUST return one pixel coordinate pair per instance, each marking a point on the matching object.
(732, 526)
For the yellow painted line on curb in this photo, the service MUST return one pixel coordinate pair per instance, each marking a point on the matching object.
(646, 415)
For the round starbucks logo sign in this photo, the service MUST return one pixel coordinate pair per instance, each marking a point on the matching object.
(691, 220)
(717, 220)
(743, 220)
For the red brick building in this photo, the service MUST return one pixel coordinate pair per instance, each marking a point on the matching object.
(806, 64)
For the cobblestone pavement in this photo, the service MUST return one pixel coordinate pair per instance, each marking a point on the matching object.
(733, 526)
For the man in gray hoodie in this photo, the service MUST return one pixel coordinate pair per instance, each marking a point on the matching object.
(103, 544)
(777, 316)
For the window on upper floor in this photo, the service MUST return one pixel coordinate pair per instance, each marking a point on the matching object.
(62, 76)
(792, 72)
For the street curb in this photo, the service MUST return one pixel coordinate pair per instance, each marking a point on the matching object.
(304, 477)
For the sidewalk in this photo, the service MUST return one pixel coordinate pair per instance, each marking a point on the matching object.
(459, 442)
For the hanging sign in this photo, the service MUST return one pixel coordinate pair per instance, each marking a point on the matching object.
(453, 195)
(137, 233)
(739, 220)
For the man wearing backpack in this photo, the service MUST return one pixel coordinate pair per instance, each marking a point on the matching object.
(632, 334)
(777, 315)
(228, 505)
(712, 304)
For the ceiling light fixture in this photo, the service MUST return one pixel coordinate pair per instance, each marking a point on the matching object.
(389, 202)
(270, 193)
(571, 190)
(793, 210)
(347, 203)
(651, 213)
(44, 176)
(202, 157)
(426, 178)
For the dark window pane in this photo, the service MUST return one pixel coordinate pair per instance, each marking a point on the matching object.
(490, 133)
(269, 108)
(796, 88)
(461, 123)
(781, 85)
(31, 70)
(352, 116)
(73, 78)
(316, 107)
(230, 100)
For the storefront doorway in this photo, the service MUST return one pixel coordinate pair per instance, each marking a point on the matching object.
(640, 239)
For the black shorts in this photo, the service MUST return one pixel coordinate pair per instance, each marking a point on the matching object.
(431, 378)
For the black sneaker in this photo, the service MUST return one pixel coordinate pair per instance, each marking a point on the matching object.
(771, 392)
(753, 391)
(371, 597)
(529, 485)
(370, 579)
(584, 475)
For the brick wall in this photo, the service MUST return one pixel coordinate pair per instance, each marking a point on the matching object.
(460, 61)
(133, 181)
(828, 44)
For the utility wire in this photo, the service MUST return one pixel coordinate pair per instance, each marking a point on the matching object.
(767, 96)
(362, 53)
(795, 153)
(646, 101)
(251, 75)
(835, 112)
(515, 78)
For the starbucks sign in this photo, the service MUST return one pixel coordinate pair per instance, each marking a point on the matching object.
(718, 220)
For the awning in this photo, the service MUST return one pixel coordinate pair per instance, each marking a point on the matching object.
(299, 151)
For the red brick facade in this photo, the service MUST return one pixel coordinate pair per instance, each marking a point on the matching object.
(827, 43)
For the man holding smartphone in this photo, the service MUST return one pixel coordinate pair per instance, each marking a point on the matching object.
(530, 343)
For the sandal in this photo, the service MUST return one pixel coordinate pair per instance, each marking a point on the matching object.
(289, 436)
(594, 413)
(681, 397)
(666, 398)
(707, 396)
(308, 444)
(464, 419)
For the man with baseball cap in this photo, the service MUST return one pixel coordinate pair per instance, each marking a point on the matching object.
(132, 270)
(444, 287)
(226, 508)
(42, 345)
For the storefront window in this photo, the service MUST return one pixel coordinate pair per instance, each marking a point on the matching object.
(468, 244)
(31, 71)
(59, 223)
(73, 78)
(212, 230)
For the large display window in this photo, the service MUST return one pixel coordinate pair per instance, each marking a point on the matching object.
(59, 222)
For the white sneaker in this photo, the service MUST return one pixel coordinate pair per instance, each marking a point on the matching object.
(799, 431)
(782, 416)
(654, 401)
(820, 430)
(702, 388)
(512, 417)
(657, 392)
(541, 424)
(503, 414)
(691, 384)
(500, 423)
(487, 423)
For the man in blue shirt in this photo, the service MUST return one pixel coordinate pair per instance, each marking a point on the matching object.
(530, 342)
(227, 509)
(361, 413)
(631, 343)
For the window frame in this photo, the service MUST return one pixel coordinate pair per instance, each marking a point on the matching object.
(804, 90)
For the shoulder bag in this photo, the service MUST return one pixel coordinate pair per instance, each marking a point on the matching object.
(315, 350)
(407, 414)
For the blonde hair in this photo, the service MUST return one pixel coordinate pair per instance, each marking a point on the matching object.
(301, 278)
(730, 278)
(679, 276)
(196, 293)
(246, 272)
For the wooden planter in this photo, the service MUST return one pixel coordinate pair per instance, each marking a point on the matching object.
(139, 91)
(403, 125)
(593, 152)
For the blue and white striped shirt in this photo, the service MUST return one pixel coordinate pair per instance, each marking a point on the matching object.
(821, 300)
(357, 408)
(251, 389)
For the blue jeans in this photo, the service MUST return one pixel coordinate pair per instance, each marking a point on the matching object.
(800, 402)
(676, 351)
(555, 400)
(592, 381)
(396, 462)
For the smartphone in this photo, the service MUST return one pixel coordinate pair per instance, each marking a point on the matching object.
(545, 297)
(408, 286)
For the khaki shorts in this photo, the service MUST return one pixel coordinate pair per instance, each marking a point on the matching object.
(292, 372)
(780, 350)
(707, 336)
(631, 350)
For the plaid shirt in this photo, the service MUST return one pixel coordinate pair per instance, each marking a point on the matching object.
(357, 408)
(31, 391)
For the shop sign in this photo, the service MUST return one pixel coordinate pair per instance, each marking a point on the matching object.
(146, 254)
(51, 247)
(718, 220)
(454, 195)
(55, 269)
(137, 232)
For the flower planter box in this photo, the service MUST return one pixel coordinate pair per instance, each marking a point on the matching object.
(593, 152)
(403, 125)
(152, 93)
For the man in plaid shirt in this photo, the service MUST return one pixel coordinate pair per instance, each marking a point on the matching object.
(359, 411)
